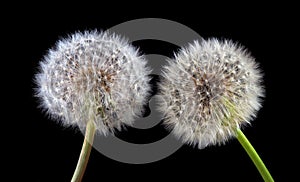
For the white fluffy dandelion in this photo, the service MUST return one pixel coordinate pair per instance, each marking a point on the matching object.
(93, 80)
(209, 90)
(93, 76)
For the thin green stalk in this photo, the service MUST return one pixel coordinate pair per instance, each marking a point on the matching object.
(85, 152)
(254, 156)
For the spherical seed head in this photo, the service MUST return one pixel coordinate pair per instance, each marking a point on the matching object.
(209, 90)
(93, 76)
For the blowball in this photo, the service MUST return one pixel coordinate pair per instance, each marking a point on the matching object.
(93, 76)
(209, 90)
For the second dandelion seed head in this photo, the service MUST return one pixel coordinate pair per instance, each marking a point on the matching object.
(209, 90)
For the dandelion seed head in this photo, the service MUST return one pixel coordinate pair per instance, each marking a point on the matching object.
(209, 90)
(94, 76)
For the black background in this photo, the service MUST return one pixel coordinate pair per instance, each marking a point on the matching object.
(39, 149)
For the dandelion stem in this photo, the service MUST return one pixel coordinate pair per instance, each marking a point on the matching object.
(254, 156)
(85, 152)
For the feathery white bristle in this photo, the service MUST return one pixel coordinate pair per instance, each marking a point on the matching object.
(209, 90)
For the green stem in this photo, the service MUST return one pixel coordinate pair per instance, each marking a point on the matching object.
(85, 152)
(254, 156)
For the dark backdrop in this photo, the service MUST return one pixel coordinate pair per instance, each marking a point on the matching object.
(39, 149)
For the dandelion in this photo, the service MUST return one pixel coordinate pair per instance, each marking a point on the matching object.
(94, 80)
(209, 91)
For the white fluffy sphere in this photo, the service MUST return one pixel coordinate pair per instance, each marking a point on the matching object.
(209, 90)
(93, 76)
